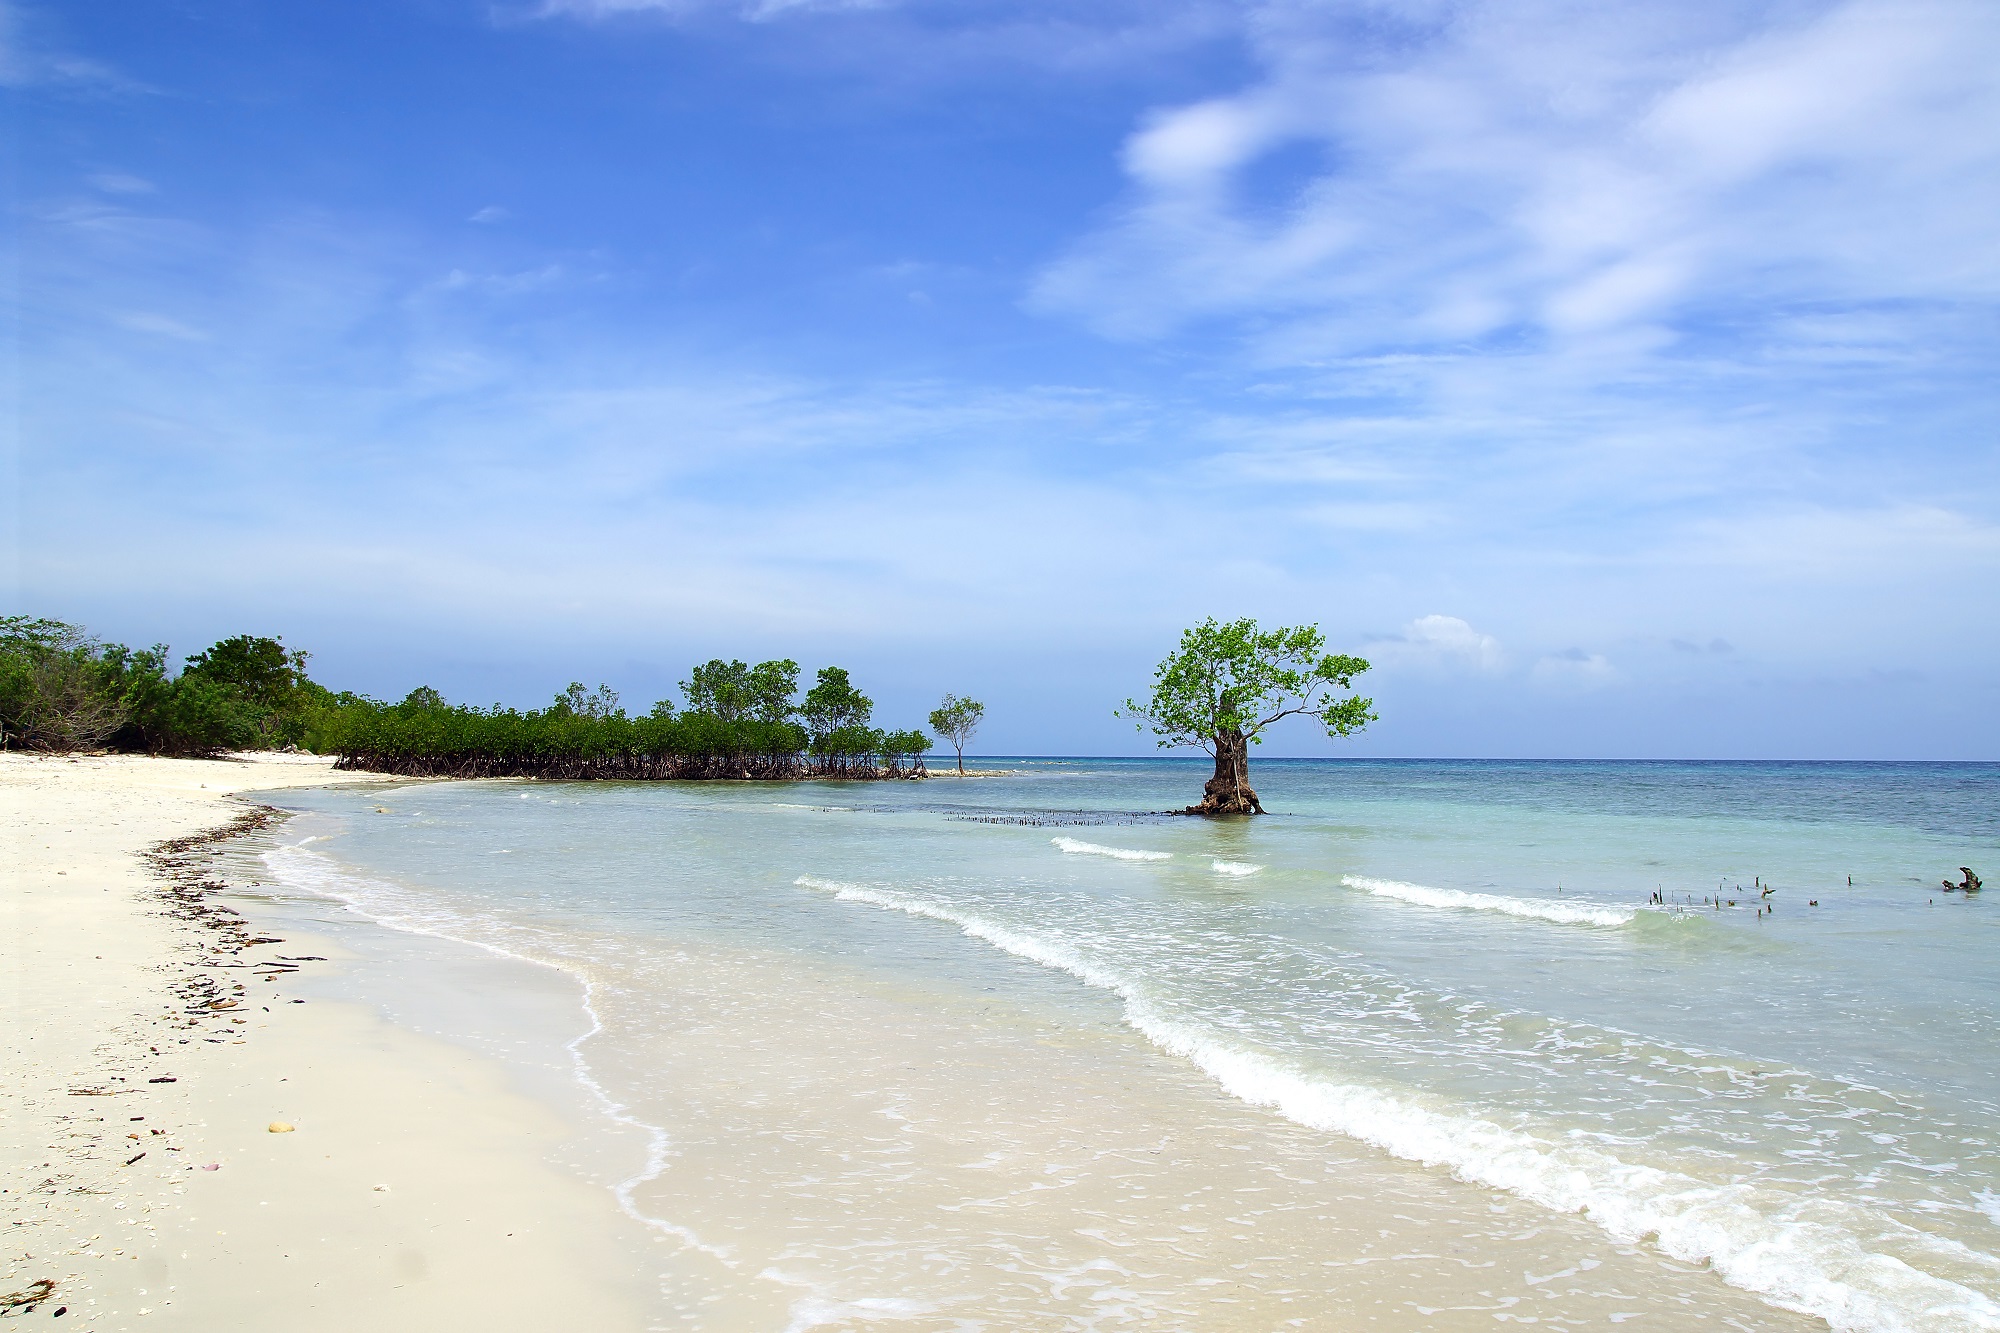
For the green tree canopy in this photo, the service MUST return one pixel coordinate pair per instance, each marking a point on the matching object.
(774, 688)
(596, 704)
(1227, 683)
(719, 688)
(833, 704)
(263, 672)
(956, 719)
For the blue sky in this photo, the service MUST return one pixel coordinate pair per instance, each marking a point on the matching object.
(1619, 378)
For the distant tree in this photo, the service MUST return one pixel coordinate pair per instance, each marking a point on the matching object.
(1227, 683)
(596, 704)
(774, 688)
(263, 671)
(833, 705)
(721, 689)
(906, 745)
(956, 720)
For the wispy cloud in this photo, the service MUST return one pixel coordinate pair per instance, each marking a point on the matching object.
(922, 41)
(30, 58)
(1573, 669)
(1562, 171)
(119, 182)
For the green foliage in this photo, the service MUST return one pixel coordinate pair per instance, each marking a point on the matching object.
(62, 690)
(59, 688)
(197, 716)
(734, 691)
(576, 701)
(720, 689)
(740, 721)
(905, 747)
(1235, 680)
(956, 719)
(774, 688)
(244, 693)
(833, 705)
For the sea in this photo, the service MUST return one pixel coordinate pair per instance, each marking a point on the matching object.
(1432, 1044)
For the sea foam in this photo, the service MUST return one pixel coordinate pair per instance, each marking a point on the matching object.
(1080, 848)
(1568, 914)
(1784, 1249)
(1234, 868)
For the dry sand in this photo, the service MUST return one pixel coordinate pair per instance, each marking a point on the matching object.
(416, 1190)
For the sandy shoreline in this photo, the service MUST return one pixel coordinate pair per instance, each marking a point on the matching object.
(108, 1198)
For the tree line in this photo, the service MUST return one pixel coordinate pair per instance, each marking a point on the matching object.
(739, 721)
(61, 690)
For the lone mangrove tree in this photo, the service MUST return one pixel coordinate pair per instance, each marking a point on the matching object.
(1227, 683)
(955, 719)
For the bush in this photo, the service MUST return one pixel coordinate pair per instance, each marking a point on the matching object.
(61, 690)
(58, 692)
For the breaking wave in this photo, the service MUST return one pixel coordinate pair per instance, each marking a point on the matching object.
(1540, 909)
(1078, 847)
(1793, 1252)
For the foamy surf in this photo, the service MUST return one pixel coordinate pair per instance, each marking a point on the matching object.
(1234, 868)
(1568, 914)
(1797, 1253)
(1077, 847)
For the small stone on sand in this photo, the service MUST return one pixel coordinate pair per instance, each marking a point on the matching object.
(280, 1127)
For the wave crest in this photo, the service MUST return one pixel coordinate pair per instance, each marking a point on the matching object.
(1078, 847)
(1567, 914)
(1778, 1249)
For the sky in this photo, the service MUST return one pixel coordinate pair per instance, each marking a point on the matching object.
(1618, 378)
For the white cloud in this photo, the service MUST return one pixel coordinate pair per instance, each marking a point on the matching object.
(1439, 641)
(490, 213)
(1563, 168)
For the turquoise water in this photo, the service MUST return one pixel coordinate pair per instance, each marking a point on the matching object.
(1563, 982)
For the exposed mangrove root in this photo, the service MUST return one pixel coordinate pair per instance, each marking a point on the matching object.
(629, 767)
(1229, 791)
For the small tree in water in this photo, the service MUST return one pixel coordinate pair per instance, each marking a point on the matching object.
(956, 719)
(1226, 684)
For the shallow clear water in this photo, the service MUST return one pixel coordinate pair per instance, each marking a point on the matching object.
(1459, 964)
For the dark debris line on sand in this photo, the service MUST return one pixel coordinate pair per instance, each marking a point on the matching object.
(210, 1007)
(186, 864)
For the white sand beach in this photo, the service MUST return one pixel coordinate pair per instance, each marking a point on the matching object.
(142, 1181)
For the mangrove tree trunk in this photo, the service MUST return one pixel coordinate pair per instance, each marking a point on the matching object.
(1229, 792)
